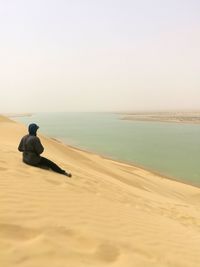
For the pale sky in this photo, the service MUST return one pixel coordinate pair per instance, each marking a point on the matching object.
(99, 55)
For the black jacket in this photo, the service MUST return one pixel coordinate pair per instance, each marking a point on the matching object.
(31, 147)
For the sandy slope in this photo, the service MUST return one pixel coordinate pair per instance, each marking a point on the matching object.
(108, 214)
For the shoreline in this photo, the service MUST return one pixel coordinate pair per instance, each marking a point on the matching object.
(17, 115)
(129, 163)
(166, 117)
(140, 167)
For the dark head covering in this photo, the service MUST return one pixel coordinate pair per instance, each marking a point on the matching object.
(32, 128)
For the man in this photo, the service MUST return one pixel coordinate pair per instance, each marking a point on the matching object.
(31, 147)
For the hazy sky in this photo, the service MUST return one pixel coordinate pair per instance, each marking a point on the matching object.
(99, 55)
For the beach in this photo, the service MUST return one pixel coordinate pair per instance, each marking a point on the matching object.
(108, 214)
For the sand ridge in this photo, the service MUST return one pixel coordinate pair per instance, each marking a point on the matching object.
(108, 214)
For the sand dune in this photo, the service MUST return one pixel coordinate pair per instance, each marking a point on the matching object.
(108, 214)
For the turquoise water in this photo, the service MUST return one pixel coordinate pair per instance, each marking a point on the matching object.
(168, 148)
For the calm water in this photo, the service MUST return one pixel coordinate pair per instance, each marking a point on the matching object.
(168, 148)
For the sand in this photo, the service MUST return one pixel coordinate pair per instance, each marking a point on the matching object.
(173, 117)
(108, 214)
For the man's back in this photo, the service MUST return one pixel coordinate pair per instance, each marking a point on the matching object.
(31, 147)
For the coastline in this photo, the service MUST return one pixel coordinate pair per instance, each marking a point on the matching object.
(170, 117)
(141, 167)
(149, 169)
(16, 115)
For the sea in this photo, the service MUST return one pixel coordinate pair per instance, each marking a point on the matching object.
(169, 149)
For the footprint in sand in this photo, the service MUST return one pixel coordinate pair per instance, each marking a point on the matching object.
(107, 252)
(62, 242)
(77, 244)
(16, 232)
(3, 169)
(91, 248)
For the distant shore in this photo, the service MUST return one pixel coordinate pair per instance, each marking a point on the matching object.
(15, 115)
(175, 117)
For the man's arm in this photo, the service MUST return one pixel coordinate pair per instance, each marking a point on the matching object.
(38, 146)
(21, 145)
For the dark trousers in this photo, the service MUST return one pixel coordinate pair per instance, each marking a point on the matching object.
(46, 163)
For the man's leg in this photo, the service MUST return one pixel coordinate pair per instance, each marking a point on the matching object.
(50, 164)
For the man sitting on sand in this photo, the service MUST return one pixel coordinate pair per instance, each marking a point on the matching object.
(31, 147)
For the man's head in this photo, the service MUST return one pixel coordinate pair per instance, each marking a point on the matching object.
(32, 128)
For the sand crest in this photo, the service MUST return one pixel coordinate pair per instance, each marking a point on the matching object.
(108, 214)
